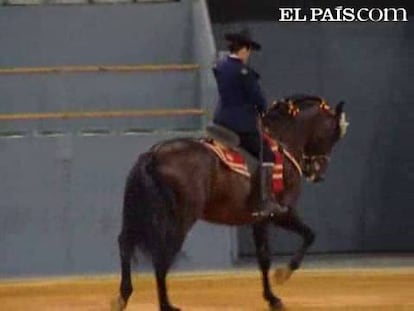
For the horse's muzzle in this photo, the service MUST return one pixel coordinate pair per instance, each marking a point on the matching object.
(318, 179)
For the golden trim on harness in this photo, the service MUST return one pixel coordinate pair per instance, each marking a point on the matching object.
(293, 109)
(324, 106)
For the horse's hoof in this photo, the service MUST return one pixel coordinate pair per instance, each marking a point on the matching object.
(277, 307)
(170, 308)
(118, 304)
(282, 275)
(275, 304)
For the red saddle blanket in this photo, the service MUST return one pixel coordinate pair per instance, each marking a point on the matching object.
(235, 161)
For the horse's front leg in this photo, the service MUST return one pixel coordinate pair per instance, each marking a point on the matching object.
(263, 258)
(293, 223)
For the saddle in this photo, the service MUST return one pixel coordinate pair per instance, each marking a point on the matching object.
(226, 145)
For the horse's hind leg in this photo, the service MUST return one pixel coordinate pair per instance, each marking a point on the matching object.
(293, 223)
(161, 274)
(162, 261)
(263, 257)
(126, 248)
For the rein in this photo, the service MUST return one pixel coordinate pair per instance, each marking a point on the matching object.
(316, 157)
(302, 166)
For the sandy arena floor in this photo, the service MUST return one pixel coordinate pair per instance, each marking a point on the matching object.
(354, 289)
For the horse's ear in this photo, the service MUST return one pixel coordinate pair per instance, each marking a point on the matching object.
(339, 108)
(341, 117)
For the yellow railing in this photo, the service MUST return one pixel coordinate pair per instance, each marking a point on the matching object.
(100, 114)
(98, 68)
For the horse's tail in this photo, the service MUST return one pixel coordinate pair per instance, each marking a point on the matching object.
(148, 212)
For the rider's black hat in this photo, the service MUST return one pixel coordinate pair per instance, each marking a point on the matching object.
(242, 37)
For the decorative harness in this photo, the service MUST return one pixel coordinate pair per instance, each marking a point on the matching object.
(306, 163)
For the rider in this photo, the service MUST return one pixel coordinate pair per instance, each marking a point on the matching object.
(240, 105)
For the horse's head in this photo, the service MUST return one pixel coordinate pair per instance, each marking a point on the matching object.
(328, 128)
(310, 126)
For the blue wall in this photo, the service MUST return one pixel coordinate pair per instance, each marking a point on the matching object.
(95, 34)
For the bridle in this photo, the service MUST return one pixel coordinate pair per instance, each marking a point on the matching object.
(316, 157)
(309, 163)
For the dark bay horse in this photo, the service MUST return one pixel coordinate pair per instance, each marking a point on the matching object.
(180, 181)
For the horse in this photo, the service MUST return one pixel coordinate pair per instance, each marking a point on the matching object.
(179, 181)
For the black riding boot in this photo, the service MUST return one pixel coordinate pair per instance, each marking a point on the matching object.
(268, 205)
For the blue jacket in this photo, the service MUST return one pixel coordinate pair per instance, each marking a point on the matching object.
(241, 99)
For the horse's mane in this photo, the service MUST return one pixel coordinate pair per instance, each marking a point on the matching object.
(304, 101)
(300, 101)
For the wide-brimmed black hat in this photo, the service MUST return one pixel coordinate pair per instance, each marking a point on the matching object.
(242, 37)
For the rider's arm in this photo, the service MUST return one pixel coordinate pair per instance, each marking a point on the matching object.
(251, 84)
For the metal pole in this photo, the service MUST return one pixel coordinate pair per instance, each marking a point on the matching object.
(261, 170)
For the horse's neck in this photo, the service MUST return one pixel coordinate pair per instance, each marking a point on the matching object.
(296, 152)
(293, 139)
